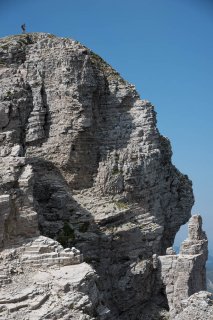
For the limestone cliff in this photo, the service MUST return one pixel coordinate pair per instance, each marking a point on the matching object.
(83, 163)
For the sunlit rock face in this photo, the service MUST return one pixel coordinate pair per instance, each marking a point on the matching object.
(83, 163)
(184, 274)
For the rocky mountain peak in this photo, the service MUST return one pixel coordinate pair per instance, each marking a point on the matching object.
(85, 175)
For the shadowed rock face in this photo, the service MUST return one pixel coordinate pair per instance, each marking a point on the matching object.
(82, 162)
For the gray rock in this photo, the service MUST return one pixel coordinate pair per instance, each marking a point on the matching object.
(185, 274)
(83, 163)
(196, 307)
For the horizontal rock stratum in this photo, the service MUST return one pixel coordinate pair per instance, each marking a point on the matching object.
(89, 198)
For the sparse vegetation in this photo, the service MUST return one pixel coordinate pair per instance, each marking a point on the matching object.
(71, 306)
(121, 205)
(67, 235)
(142, 226)
(91, 260)
(115, 171)
(71, 210)
(4, 46)
(116, 157)
(84, 226)
(2, 64)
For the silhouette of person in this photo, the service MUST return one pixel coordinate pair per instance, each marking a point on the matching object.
(23, 27)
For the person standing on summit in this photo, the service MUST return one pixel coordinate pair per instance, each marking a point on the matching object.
(23, 27)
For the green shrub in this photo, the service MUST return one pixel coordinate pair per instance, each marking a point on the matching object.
(67, 235)
(121, 205)
(84, 226)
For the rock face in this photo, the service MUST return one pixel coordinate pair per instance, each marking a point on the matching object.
(82, 163)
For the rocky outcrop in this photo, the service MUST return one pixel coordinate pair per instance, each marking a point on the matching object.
(198, 306)
(184, 274)
(82, 162)
(44, 292)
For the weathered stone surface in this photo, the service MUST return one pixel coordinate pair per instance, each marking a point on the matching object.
(199, 306)
(45, 252)
(185, 274)
(68, 292)
(82, 162)
(41, 280)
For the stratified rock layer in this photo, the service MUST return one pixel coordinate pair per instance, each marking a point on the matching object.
(82, 162)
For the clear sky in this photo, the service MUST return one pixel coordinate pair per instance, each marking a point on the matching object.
(164, 47)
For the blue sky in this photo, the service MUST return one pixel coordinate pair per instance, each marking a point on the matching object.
(165, 48)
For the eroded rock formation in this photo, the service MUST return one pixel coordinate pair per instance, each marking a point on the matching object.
(82, 163)
(184, 274)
